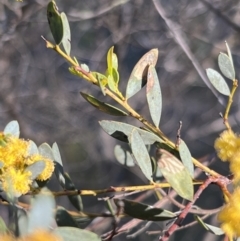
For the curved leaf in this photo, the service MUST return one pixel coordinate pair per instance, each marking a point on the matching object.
(104, 107)
(63, 218)
(140, 153)
(229, 53)
(226, 66)
(55, 22)
(154, 95)
(32, 149)
(175, 173)
(143, 211)
(66, 39)
(138, 77)
(218, 82)
(12, 128)
(37, 218)
(75, 234)
(56, 153)
(186, 157)
(46, 151)
(121, 131)
(124, 157)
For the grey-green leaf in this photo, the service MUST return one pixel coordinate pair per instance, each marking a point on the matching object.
(33, 149)
(124, 157)
(175, 173)
(41, 215)
(138, 77)
(140, 153)
(226, 66)
(229, 53)
(104, 107)
(76, 200)
(213, 229)
(76, 234)
(154, 95)
(12, 128)
(143, 211)
(56, 153)
(218, 82)
(46, 151)
(186, 157)
(63, 218)
(3, 227)
(66, 40)
(121, 131)
(36, 169)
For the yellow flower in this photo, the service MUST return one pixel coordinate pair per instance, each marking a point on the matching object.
(14, 152)
(49, 166)
(40, 235)
(229, 216)
(16, 181)
(226, 145)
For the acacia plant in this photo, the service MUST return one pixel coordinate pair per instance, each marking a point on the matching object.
(26, 168)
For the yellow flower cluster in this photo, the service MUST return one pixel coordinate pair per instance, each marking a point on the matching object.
(38, 235)
(14, 159)
(230, 216)
(228, 149)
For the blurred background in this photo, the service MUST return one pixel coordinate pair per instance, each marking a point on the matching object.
(37, 89)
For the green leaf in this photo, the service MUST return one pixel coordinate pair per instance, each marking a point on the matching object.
(3, 227)
(22, 221)
(76, 200)
(33, 149)
(154, 95)
(36, 169)
(102, 81)
(114, 61)
(55, 22)
(121, 131)
(112, 84)
(226, 66)
(85, 67)
(186, 157)
(143, 211)
(56, 153)
(124, 157)
(41, 215)
(140, 153)
(12, 128)
(63, 218)
(59, 172)
(104, 107)
(46, 151)
(218, 82)
(75, 234)
(208, 227)
(138, 77)
(110, 60)
(66, 39)
(175, 173)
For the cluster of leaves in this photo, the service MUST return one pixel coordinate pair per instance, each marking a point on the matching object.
(172, 160)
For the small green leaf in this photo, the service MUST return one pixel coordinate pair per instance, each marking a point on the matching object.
(121, 131)
(114, 61)
(12, 128)
(143, 211)
(124, 157)
(66, 39)
(59, 172)
(110, 60)
(55, 22)
(36, 169)
(63, 218)
(56, 153)
(102, 81)
(41, 215)
(226, 66)
(75, 234)
(175, 173)
(218, 82)
(46, 151)
(85, 67)
(208, 227)
(104, 107)
(33, 149)
(138, 77)
(76, 200)
(186, 157)
(154, 95)
(112, 84)
(140, 153)
(3, 227)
